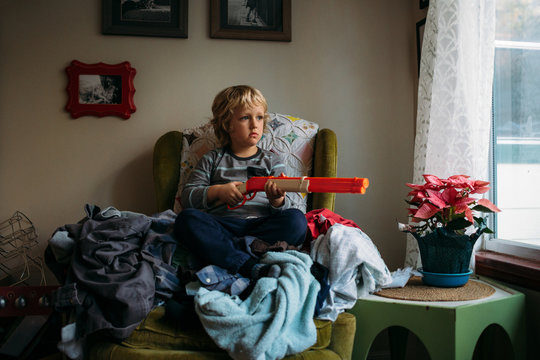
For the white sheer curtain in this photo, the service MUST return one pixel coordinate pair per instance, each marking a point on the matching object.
(454, 94)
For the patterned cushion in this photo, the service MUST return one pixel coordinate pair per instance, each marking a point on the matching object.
(290, 137)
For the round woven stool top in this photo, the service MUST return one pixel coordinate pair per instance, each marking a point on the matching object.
(418, 291)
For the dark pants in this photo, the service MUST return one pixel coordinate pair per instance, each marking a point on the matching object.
(214, 239)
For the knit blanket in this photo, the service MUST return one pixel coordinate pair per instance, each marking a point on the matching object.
(275, 320)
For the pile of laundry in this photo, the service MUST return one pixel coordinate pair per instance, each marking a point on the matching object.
(116, 266)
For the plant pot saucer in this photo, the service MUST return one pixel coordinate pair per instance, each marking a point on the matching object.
(444, 280)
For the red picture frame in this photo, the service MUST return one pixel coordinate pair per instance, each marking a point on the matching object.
(100, 89)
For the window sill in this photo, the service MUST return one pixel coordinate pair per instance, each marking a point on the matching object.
(508, 268)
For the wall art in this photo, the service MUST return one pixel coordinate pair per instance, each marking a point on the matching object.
(100, 89)
(251, 19)
(164, 18)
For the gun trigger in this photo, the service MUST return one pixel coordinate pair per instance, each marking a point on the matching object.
(238, 206)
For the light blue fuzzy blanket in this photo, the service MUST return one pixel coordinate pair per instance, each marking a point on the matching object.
(274, 321)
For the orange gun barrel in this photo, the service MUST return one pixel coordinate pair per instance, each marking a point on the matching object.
(338, 185)
(307, 184)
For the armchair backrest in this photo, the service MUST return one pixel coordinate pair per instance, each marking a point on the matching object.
(306, 151)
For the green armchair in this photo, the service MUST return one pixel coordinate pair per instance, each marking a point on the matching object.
(158, 338)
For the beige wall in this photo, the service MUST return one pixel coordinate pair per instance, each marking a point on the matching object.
(350, 67)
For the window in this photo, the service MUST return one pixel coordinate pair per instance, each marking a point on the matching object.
(516, 128)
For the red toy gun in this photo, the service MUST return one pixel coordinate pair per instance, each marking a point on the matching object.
(304, 184)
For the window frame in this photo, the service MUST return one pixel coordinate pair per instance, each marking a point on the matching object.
(508, 260)
(510, 247)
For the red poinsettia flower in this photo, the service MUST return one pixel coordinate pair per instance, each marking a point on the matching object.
(448, 202)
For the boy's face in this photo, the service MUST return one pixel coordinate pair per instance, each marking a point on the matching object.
(246, 126)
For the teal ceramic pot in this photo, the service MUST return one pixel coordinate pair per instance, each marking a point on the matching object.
(444, 280)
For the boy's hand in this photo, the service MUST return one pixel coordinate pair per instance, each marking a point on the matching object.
(227, 193)
(275, 195)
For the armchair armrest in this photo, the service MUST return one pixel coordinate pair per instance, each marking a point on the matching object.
(166, 168)
(343, 335)
(324, 165)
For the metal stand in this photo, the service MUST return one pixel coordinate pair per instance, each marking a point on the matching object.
(18, 237)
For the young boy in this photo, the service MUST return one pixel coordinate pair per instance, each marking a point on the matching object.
(206, 226)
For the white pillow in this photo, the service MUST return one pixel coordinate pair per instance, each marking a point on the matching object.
(290, 137)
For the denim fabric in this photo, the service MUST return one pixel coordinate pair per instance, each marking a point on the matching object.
(216, 278)
(214, 239)
(158, 249)
(320, 273)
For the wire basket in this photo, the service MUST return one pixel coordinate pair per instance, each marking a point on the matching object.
(18, 240)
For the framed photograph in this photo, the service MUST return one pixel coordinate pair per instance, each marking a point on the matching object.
(251, 19)
(420, 26)
(100, 89)
(165, 18)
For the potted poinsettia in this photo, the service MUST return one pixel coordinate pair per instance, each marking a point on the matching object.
(445, 221)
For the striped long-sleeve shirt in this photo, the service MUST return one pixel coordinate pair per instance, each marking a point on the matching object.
(220, 166)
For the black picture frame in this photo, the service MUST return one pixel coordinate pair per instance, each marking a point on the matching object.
(420, 26)
(251, 20)
(162, 18)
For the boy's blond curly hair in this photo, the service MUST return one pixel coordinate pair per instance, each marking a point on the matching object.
(226, 102)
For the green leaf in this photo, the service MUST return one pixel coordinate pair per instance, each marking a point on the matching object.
(458, 224)
(481, 209)
(479, 220)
